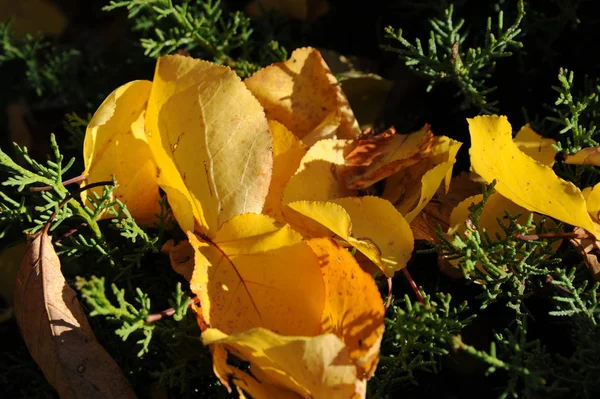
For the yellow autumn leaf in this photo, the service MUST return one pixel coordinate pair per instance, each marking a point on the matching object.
(288, 152)
(520, 178)
(302, 94)
(373, 159)
(286, 366)
(317, 179)
(114, 145)
(370, 224)
(310, 367)
(535, 145)
(211, 141)
(254, 273)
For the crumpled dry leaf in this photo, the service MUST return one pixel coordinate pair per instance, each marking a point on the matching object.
(589, 247)
(370, 224)
(335, 364)
(254, 273)
(57, 332)
(413, 187)
(211, 141)
(302, 94)
(302, 10)
(373, 159)
(520, 178)
(181, 257)
(114, 145)
(438, 210)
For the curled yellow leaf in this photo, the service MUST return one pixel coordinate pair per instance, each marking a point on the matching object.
(211, 141)
(520, 178)
(288, 152)
(114, 145)
(370, 224)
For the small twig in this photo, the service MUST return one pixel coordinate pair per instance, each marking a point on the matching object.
(71, 232)
(413, 285)
(534, 237)
(169, 312)
(389, 298)
(70, 197)
(72, 180)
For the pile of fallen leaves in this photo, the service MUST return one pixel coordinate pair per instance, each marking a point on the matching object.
(289, 211)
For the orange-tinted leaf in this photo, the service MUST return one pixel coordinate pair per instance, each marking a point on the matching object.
(374, 159)
(353, 306)
(253, 273)
(302, 94)
(586, 156)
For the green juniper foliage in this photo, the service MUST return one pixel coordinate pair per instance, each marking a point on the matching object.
(202, 29)
(138, 306)
(447, 59)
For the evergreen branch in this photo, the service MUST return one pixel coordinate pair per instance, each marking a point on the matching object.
(447, 60)
(199, 27)
(50, 175)
(47, 67)
(417, 335)
(131, 317)
(576, 114)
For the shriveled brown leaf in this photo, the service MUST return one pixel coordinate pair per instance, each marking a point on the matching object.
(181, 256)
(438, 210)
(373, 159)
(590, 249)
(57, 332)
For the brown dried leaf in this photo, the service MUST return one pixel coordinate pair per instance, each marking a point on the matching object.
(590, 249)
(438, 210)
(181, 257)
(57, 332)
(373, 159)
